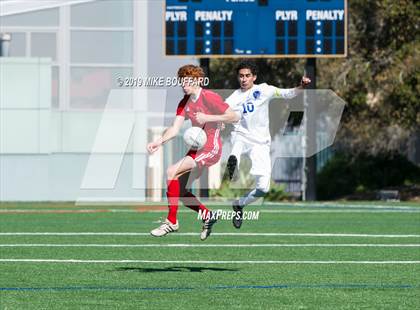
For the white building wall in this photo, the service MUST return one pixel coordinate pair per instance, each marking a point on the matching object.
(46, 139)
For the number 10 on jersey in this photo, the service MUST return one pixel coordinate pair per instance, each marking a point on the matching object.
(248, 107)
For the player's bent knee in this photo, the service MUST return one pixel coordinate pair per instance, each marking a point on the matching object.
(260, 193)
(171, 172)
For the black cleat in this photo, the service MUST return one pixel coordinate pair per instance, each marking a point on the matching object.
(237, 219)
(231, 167)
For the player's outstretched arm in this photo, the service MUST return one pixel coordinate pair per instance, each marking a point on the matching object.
(168, 134)
(229, 116)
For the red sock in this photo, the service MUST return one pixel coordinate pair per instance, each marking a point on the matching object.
(190, 201)
(173, 196)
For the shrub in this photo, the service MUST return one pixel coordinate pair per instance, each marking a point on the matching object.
(344, 175)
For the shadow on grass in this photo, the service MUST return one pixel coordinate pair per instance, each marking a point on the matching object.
(174, 269)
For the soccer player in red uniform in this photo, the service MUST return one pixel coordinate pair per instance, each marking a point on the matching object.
(207, 110)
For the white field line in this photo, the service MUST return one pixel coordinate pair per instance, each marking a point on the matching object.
(184, 245)
(213, 234)
(339, 205)
(34, 211)
(104, 261)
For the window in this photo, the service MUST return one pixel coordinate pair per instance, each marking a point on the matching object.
(90, 48)
(108, 13)
(101, 50)
(90, 87)
(18, 44)
(34, 34)
(101, 47)
(42, 18)
(44, 45)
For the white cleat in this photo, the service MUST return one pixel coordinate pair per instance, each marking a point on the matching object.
(208, 224)
(164, 229)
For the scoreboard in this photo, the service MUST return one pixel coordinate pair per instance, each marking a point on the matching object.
(256, 28)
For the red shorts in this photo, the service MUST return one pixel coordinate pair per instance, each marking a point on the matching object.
(211, 151)
(206, 157)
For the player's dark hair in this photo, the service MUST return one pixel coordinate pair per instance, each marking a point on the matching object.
(247, 64)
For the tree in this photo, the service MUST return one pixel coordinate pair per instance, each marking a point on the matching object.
(378, 80)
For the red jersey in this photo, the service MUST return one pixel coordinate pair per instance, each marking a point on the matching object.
(210, 103)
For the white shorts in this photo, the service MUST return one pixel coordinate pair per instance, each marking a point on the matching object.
(259, 154)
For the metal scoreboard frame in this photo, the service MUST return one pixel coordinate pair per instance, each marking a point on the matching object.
(233, 28)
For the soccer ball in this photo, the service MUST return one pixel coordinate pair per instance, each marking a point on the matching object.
(195, 138)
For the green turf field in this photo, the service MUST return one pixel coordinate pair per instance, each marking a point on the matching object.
(302, 256)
